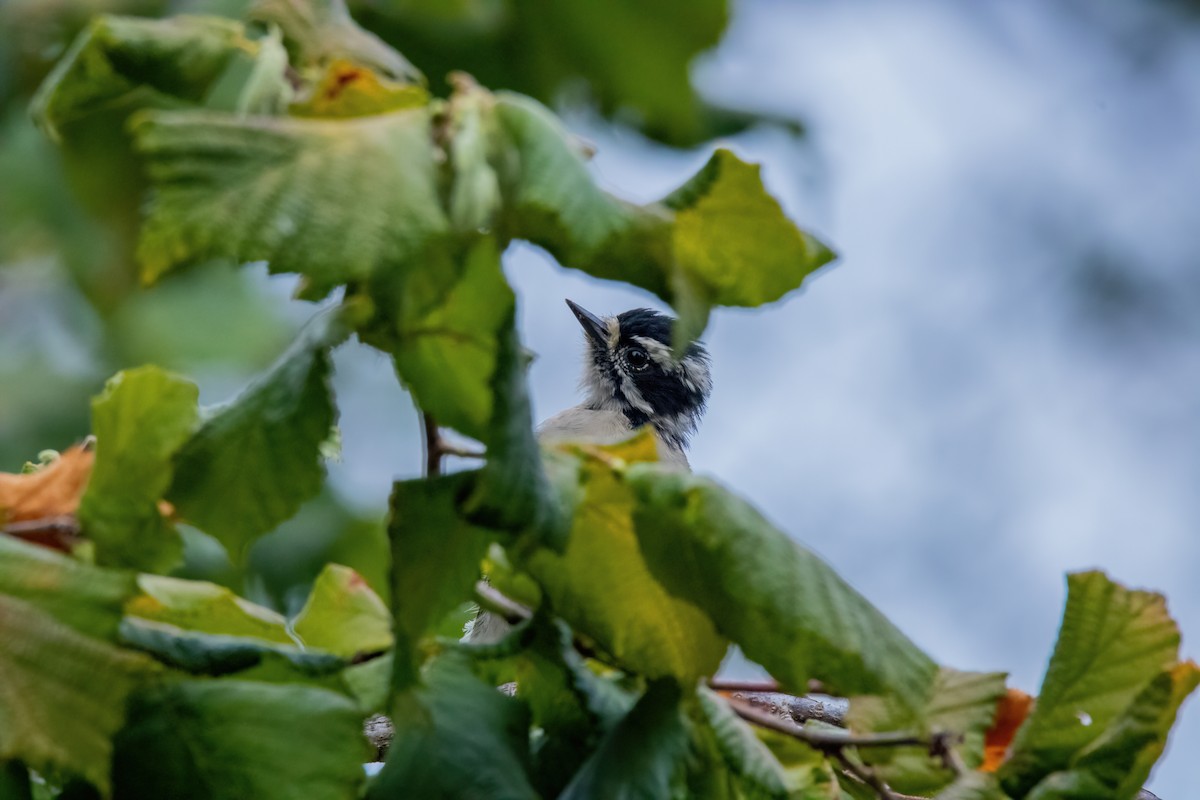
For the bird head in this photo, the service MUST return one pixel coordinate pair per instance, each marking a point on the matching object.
(630, 368)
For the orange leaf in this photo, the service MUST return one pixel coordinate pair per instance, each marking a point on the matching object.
(52, 491)
(1011, 711)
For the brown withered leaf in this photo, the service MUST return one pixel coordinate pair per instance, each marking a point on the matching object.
(52, 491)
(39, 506)
(1011, 711)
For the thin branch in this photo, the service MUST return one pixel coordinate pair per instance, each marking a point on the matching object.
(825, 739)
(436, 447)
(758, 687)
(864, 774)
(433, 450)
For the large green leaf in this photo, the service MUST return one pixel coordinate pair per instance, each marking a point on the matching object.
(86, 598)
(62, 694)
(720, 239)
(255, 460)
(452, 721)
(642, 757)
(1112, 644)
(436, 560)
(212, 740)
(142, 418)
(343, 616)
(206, 61)
(605, 588)
(334, 200)
(1117, 763)
(784, 606)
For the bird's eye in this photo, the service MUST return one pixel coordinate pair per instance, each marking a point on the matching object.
(637, 358)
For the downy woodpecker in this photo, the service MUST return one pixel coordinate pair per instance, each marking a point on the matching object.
(630, 379)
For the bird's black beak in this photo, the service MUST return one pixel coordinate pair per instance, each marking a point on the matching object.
(593, 326)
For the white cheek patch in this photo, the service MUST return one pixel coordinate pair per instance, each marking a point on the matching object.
(633, 396)
(696, 374)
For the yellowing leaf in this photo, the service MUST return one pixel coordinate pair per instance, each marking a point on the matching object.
(343, 616)
(603, 587)
(347, 90)
(205, 608)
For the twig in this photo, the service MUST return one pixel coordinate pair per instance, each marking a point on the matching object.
(758, 687)
(436, 447)
(863, 774)
(825, 739)
(433, 450)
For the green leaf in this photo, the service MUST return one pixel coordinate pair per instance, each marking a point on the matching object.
(62, 694)
(552, 200)
(234, 739)
(561, 692)
(454, 720)
(206, 607)
(513, 491)
(222, 654)
(605, 587)
(435, 562)
(1112, 644)
(89, 599)
(1118, 762)
(343, 616)
(207, 61)
(720, 239)
(140, 420)
(784, 606)
(333, 200)
(642, 756)
(319, 31)
(750, 762)
(444, 329)
(254, 461)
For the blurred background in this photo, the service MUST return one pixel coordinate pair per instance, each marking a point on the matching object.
(998, 382)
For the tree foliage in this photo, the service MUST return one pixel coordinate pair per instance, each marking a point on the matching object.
(297, 138)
